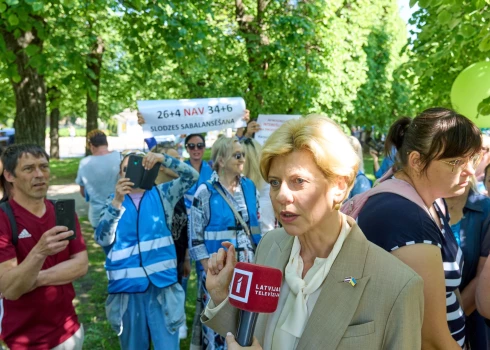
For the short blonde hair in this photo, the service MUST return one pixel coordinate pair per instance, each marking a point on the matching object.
(329, 146)
(222, 150)
(251, 168)
(358, 149)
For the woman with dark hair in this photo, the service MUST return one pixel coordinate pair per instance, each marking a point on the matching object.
(195, 146)
(438, 152)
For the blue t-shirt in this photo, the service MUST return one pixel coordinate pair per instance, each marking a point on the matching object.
(386, 164)
(391, 221)
(361, 184)
(98, 175)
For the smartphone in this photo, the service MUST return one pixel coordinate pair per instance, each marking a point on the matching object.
(149, 177)
(65, 215)
(138, 175)
(135, 170)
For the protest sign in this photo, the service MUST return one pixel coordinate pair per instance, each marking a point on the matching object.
(170, 117)
(269, 124)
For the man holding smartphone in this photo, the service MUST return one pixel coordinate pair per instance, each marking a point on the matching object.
(37, 263)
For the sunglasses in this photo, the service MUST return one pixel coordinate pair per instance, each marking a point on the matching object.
(238, 155)
(192, 146)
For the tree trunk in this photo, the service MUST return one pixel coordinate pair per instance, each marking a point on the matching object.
(253, 30)
(94, 63)
(29, 91)
(54, 120)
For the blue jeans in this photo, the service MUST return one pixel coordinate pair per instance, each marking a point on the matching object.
(147, 318)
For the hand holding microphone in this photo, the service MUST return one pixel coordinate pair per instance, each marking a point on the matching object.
(251, 288)
(220, 272)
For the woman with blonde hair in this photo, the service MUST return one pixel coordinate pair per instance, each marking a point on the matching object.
(251, 170)
(339, 290)
(224, 209)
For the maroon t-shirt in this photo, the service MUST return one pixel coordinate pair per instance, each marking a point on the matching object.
(45, 317)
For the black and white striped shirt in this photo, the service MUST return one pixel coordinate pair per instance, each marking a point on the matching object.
(391, 221)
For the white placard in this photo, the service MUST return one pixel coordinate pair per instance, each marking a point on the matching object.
(172, 117)
(269, 124)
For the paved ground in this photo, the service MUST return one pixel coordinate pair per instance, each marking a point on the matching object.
(71, 147)
(69, 191)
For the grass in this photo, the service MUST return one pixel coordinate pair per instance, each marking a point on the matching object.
(63, 171)
(91, 293)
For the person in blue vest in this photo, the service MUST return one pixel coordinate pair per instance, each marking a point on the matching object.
(146, 303)
(195, 146)
(213, 221)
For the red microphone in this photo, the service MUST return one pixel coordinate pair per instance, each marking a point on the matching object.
(254, 289)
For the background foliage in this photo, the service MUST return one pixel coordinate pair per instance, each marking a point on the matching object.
(336, 57)
(349, 59)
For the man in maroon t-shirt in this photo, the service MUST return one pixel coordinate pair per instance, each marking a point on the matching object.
(36, 275)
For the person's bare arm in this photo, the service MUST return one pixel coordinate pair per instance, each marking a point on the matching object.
(82, 191)
(64, 272)
(18, 279)
(468, 295)
(426, 260)
(374, 154)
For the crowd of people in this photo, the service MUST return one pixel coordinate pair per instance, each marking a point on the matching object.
(398, 265)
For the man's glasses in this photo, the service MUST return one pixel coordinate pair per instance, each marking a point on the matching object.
(463, 163)
(238, 155)
(192, 146)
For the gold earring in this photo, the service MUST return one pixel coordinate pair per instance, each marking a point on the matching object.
(336, 206)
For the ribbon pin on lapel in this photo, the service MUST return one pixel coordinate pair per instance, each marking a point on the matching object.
(351, 280)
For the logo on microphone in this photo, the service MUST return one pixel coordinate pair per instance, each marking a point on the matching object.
(240, 286)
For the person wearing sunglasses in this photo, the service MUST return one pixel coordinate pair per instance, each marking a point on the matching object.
(225, 208)
(195, 146)
(438, 152)
(145, 305)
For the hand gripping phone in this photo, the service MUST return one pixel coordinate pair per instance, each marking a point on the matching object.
(65, 215)
(138, 175)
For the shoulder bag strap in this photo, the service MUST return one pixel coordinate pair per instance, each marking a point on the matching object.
(5, 206)
(232, 207)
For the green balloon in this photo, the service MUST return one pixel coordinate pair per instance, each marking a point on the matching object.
(470, 88)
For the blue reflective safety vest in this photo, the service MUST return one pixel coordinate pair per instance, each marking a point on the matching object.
(223, 225)
(204, 175)
(143, 251)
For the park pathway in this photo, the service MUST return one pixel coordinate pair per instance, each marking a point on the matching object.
(69, 191)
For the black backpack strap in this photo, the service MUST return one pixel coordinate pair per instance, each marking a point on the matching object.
(7, 209)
